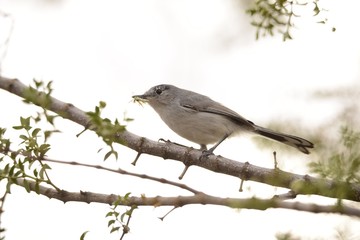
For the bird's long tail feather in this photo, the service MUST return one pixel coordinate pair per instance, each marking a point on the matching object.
(294, 141)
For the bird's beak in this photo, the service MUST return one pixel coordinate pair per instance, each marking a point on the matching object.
(143, 97)
(140, 98)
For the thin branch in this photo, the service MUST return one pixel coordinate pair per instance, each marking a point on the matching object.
(200, 198)
(119, 171)
(300, 184)
(5, 45)
(2, 202)
(126, 228)
(167, 214)
(124, 172)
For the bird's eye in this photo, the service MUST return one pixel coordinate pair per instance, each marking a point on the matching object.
(158, 91)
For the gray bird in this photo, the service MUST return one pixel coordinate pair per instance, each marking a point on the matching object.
(204, 121)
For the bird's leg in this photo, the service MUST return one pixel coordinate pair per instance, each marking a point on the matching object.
(203, 147)
(211, 150)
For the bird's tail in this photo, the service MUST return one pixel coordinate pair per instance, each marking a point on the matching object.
(293, 141)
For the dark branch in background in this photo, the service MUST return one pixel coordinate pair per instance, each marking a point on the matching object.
(199, 198)
(299, 184)
(4, 45)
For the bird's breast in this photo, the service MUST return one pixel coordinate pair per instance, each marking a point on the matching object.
(199, 127)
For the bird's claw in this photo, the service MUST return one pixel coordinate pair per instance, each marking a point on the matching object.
(206, 153)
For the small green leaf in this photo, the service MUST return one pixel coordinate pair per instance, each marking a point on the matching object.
(12, 169)
(43, 171)
(107, 155)
(25, 122)
(109, 214)
(38, 84)
(111, 222)
(122, 217)
(128, 119)
(316, 9)
(37, 118)
(44, 148)
(35, 132)
(21, 166)
(49, 85)
(6, 169)
(114, 229)
(115, 155)
(46, 166)
(50, 118)
(82, 237)
(102, 104)
(23, 137)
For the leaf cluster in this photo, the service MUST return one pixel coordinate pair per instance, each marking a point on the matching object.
(344, 163)
(42, 93)
(26, 161)
(118, 219)
(277, 16)
(105, 128)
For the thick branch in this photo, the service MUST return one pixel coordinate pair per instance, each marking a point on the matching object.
(300, 184)
(179, 201)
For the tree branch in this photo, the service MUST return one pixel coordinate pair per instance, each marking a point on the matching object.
(179, 201)
(299, 184)
(121, 171)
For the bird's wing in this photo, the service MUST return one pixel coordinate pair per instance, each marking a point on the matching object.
(210, 106)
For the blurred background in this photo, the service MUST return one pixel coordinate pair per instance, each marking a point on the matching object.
(110, 50)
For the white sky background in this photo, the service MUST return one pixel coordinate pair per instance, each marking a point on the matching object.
(111, 50)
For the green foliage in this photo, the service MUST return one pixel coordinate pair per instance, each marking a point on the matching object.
(120, 220)
(343, 164)
(43, 100)
(277, 16)
(25, 162)
(106, 129)
(32, 148)
(340, 164)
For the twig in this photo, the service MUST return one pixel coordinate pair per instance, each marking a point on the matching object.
(123, 172)
(163, 217)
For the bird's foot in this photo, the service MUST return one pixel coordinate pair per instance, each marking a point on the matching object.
(206, 153)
